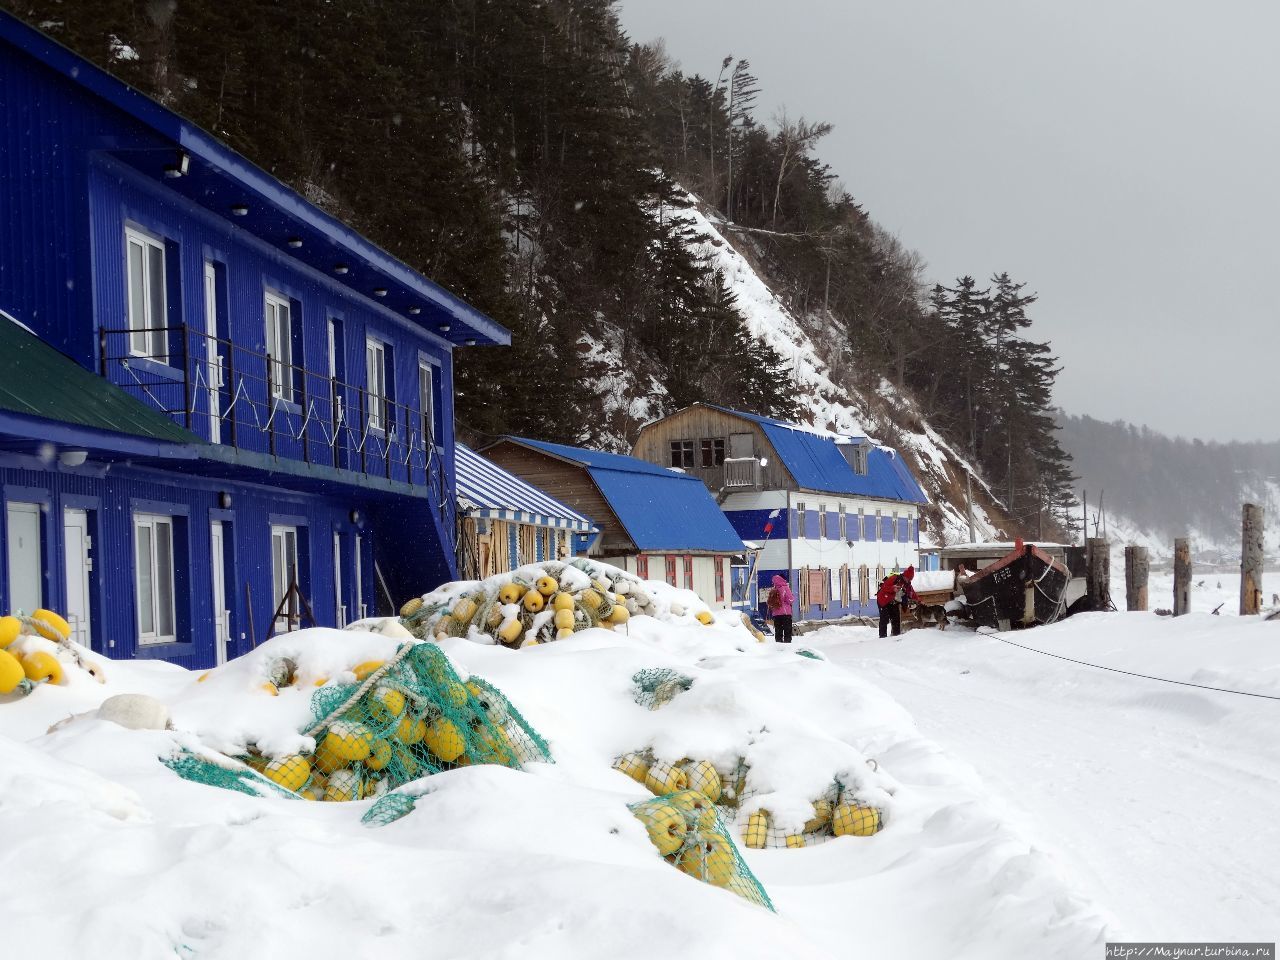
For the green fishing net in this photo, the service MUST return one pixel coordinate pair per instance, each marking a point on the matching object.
(409, 717)
(689, 832)
(658, 686)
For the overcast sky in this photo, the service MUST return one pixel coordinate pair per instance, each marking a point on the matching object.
(1121, 157)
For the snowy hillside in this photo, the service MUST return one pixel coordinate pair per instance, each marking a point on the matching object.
(828, 403)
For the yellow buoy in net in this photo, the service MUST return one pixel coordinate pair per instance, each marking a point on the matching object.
(663, 777)
(564, 619)
(665, 825)
(411, 607)
(564, 634)
(534, 601)
(444, 740)
(463, 611)
(795, 840)
(756, 835)
(343, 785)
(855, 820)
(50, 625)
(10, 630)
(411, 730)
(386, 704)
(454, 693)
(821, 815)
(547, 585)
(704, 617)
(704, 778)
(11, 672)
(379, 755)
(290, 772)
(591, 599)
(40, 665)
(563, 601)
(510, 631)
(348, 740)
(634, 765)
(510, 593)
(362, 670)
(619, 614)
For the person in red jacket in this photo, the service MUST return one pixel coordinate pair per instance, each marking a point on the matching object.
(780, 600)
(894, 593)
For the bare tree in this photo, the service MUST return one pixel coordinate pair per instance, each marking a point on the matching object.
(795, 138)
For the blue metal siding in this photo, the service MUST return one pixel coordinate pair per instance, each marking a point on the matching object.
(811, 529)
(886, 529)
(750, 524)
(114, 497)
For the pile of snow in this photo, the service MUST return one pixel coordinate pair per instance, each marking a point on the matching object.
(120, 857)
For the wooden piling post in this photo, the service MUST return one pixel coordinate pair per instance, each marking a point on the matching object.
(1181, 576)
(1251, 560)
(1098, 574)
(1137, 568)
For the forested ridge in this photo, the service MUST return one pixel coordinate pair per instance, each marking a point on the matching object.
(522, 154)
(1171, 486)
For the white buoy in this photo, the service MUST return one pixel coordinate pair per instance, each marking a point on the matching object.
(135, 711)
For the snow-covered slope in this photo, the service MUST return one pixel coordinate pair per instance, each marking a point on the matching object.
(828, 402)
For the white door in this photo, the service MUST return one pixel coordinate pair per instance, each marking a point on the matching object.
(26, 557)
(284, 570)
(360, 578)
(340, 608)
(77, 544)
(221, 611)
(213, 367)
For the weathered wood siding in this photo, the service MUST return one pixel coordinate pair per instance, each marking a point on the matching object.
(569, 484)
(697, 423)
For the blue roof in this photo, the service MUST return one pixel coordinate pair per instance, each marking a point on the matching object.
(486, 490)
(659, 508)
(816, 463)
(219, 178)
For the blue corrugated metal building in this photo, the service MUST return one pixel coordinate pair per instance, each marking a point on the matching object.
(222, 390)
(506, 522)
(832, 513)
(658, 523)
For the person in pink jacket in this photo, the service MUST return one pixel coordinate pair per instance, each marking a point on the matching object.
(780, 600)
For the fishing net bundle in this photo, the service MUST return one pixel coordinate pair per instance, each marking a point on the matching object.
(537, 603)
(657, 686)
(689, 833)
(836, 813)
(403, 719)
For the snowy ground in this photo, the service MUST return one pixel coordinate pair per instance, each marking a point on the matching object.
(1033, 808)
(1210, 590)
(1153, 801)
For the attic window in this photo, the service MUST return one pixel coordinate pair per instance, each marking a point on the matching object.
(859, 460)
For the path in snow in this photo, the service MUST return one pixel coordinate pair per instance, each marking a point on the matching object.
(1158, 801)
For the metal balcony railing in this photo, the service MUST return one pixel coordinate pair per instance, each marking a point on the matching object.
(249, 400)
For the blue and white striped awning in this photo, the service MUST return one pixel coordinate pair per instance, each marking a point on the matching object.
(486, 491)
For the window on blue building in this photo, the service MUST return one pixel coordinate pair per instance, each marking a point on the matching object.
(426, 403)
(279, 331)
(147, 295)
(153, 578)
(375, 371)
(284, 570)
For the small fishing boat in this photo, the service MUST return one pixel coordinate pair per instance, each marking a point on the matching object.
(1024, 588)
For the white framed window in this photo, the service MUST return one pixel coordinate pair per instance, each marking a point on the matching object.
(426, 402)
(375, 369)
(279, 330)
(153, 577)
(25, 549)
(284, 567)
(800, 524)
(147, 295)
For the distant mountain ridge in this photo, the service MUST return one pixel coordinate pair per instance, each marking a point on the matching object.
(1155, 488)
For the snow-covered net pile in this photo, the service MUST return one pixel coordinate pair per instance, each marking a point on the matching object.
(550, 600)
(690, 834)
(378, 724)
